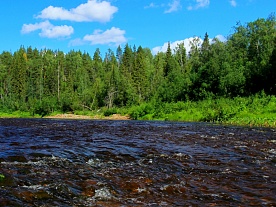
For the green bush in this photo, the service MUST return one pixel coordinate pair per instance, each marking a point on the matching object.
(110, 111)
(138, 112)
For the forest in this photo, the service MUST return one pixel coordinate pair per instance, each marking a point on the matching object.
(238, 71)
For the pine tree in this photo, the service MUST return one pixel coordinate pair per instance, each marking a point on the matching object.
(18, 79)
(111, 78)
(168, 61)
(6, 60)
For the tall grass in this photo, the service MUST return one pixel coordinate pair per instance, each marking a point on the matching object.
(258, 110)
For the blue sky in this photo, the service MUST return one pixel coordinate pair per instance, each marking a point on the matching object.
(90, 24)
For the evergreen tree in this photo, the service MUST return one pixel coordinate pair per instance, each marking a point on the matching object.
(97, 84)
(112, 78)
(172, 84)
(18, 79)
(127, 93)
(139, 76)
(168, 61)
(157, 77)
(6, 60)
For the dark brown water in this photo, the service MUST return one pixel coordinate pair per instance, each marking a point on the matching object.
(133, 163)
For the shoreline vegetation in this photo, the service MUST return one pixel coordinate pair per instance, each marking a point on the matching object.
(254, 111)
(94, 117)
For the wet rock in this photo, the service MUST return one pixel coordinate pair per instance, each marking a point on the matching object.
(88, 188)
(103, 194)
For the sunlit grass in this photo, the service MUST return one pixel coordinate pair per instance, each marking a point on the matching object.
(18, 114)
(258, 110)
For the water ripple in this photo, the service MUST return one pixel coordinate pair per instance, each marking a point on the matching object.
(135, 163)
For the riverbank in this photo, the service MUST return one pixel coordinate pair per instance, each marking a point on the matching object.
(75, 116)
(255, 111)
(258, 110)
(56, 115)
(243, 119)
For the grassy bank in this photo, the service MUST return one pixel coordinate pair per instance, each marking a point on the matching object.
(259, 110)
(17, 114)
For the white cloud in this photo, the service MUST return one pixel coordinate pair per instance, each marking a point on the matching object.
(93, 10)
(113, 36)
(174, 6)
(27, 28)
(186, 42)
(200, 4)
(151, 5)
(233, 3)
(57, 31)
(48, 30)
(173, 45)
(221, 38)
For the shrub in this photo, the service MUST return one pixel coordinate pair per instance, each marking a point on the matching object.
(110, 111)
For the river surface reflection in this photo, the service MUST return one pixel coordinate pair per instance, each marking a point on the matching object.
(135, 163)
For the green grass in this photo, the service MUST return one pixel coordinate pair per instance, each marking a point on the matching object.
(18, 114)
(258, 110)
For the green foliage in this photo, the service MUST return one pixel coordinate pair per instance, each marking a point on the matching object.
(65, 104)
(110, 111)
(2, 177)
(44, 107)
(137, 112)
(258, 110)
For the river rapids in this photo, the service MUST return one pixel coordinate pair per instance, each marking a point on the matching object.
(46, 162)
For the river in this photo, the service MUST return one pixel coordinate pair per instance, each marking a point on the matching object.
(49, 162)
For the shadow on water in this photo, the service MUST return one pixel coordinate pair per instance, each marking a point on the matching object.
(135, 163)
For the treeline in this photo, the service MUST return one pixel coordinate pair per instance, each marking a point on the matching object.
(43, 81)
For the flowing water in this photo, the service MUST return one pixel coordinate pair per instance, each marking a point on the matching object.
(135, 163)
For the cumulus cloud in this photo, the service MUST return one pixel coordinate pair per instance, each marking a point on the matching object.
(48, 30)
(173, 45)
(199, 4)
(233, 3)
(113, 36)
(174, 6)
(187, 44)
(93, 10)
